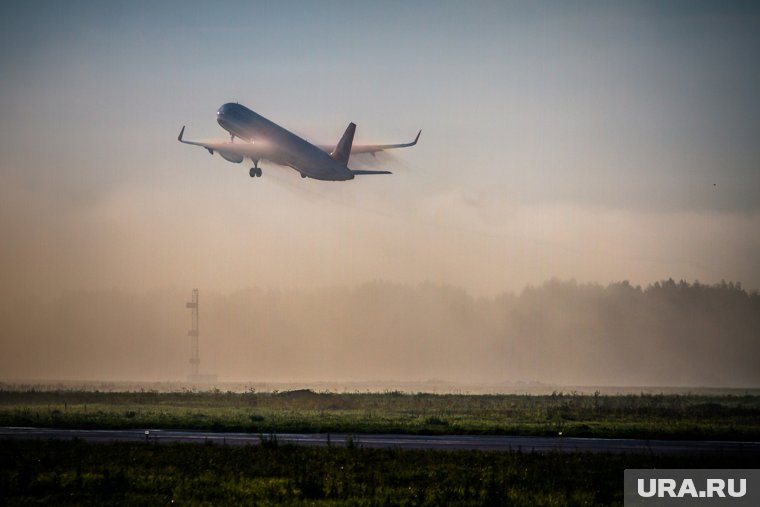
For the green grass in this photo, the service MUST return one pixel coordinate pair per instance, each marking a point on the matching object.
(79, 473)
(677, 416)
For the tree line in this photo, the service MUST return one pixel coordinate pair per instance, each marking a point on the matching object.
(563, 332)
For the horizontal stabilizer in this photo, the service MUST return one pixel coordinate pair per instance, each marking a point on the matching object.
(358, 172)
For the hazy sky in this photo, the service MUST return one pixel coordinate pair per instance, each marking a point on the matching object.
(592, 140)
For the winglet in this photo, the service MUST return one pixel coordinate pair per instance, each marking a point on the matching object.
(413, 142)
(179, 137)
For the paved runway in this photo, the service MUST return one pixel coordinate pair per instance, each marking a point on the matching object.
(441, 442)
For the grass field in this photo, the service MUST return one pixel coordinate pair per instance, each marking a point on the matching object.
(677, 416)
(79, 473)
(76, 473)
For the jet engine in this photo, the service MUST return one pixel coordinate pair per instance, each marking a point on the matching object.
(231, 157)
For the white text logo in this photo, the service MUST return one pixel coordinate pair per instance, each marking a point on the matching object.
(662, 488)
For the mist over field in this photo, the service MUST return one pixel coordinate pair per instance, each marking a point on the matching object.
(561, 332)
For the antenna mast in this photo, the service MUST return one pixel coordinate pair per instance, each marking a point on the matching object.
(194, 334)
(195, 359)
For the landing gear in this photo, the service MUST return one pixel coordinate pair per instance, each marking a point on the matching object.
(303, 175)
(255, 171)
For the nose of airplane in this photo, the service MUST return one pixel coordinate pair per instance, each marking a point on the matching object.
(227, 113)
(230, 118)
(223, 115)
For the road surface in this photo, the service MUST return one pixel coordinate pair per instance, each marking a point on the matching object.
(438, 442)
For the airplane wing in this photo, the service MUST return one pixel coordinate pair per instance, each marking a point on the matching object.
(228, 150)
(373, 148)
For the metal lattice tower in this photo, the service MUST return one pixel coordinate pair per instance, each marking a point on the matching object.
(195, 359)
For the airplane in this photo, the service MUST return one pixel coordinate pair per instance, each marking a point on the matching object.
(265, 140)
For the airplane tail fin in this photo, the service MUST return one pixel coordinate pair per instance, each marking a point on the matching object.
(343, 150)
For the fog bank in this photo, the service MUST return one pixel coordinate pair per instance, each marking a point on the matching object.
(561, 332)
